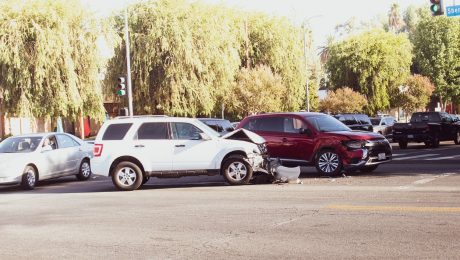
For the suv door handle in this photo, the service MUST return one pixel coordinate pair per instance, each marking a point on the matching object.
(180, 145)
(139, 146)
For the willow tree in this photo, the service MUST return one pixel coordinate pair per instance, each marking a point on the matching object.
(276, 42)
(49, 59)
(184, 57)
(373, 63)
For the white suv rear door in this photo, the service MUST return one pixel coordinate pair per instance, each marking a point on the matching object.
(153, 146)
(190, 151)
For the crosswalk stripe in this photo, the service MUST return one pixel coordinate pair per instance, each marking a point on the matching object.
(415, 157)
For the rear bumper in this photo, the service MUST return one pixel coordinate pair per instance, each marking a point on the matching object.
(99, 166)
(412, 138)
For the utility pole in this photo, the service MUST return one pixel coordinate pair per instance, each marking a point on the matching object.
(128, 66)
(306, 68)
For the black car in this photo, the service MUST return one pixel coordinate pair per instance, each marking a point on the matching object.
(222, 126)
(356, 121)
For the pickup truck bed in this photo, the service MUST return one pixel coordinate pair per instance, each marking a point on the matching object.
(427, 127)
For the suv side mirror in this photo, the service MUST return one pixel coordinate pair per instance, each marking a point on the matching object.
(203, 136)
(305, 131)
(229, 129)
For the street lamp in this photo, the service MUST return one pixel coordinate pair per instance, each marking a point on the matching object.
(306, 28)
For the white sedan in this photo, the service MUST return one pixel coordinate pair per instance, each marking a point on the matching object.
(26, 159)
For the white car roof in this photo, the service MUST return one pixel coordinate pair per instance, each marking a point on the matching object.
(150, 118)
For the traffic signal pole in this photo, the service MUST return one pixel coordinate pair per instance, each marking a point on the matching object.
(128, 66)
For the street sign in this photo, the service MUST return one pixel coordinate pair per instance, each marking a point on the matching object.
(453, 10)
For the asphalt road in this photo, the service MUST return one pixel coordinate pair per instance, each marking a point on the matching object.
(407, 209)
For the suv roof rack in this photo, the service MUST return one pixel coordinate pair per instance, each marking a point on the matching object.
(141, 116)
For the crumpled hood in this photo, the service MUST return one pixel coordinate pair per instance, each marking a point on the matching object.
(358, 135)
(244, 135)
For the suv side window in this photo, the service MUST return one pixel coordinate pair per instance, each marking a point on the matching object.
(116, 131)
(293, 125)
(268, 124)
(185, 131)
(153, 131)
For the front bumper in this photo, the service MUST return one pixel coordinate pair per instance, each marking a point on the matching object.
(260, 163)
(375, 152)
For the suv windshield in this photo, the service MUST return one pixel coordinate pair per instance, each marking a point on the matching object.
(20, 144)
(327, 123)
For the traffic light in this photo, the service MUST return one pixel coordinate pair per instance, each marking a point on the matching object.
(121, 86)
(437, 7)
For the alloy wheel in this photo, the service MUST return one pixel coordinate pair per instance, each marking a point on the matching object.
(126, 176)
(31, 178)
(85, 169)
(328, 162)
(237, 171)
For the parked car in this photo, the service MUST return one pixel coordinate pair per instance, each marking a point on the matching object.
(221, 126)
(26, 159)
(319, 140)
(356, 121)
(383, 125)
(130, 150)
(427, 127)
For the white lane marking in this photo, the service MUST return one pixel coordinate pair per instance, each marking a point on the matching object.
(415, 157)
(425, 180)
(443, 158)
(397, 154)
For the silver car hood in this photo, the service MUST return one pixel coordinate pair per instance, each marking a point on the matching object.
(244, 135)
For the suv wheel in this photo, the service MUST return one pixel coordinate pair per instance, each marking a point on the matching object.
(328, 163)
(457, 138)
(236, 170)
(435, 141)
(127, 176)
(85, 171)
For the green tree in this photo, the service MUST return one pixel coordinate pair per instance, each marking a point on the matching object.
(437, 52)
(184, 56)
(49, 59)
(343, 100)
(416, 93)
(256, 90)
(277, 43)
(373, 63)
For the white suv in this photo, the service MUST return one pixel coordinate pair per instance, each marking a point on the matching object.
(132, 149)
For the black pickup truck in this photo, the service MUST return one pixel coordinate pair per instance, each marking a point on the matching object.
(427, 127)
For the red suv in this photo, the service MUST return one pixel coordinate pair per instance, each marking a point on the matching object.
(320, 140)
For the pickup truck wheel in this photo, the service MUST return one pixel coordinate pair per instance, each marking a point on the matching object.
(236, 170)
(328, 163)
(435, 142)
(369, 168)
(457, 138)
(127, 176)
(402, 144)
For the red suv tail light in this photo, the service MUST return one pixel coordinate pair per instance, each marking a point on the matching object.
(97, 149)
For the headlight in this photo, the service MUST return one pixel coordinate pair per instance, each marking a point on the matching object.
(354, 144)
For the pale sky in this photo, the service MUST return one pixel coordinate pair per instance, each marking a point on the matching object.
(322, 15)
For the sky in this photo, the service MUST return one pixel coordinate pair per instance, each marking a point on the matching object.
(321, 15)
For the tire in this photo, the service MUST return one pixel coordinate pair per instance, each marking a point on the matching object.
(127, 176)
(402, 144)
(84, 172)
(369, 168)
(427, 144)
(29, 178)
(435, 141)
(236, 170)
(457, 138)
(328, 163)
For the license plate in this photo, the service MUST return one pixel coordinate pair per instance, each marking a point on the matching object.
(410, 136)
(382, 156)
